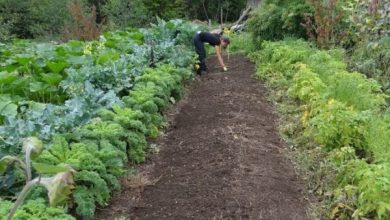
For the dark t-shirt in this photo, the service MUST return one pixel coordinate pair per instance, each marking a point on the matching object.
(212, 39)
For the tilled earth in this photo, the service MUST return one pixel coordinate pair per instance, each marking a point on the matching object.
(220, 158)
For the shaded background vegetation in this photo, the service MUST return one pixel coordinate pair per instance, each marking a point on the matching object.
(361, 28)
(51, 19)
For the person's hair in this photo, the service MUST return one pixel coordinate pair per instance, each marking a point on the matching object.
(226, 40)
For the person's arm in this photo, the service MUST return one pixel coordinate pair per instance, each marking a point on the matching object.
(219, 55)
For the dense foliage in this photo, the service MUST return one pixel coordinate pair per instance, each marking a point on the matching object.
(37, 209)
(360, 27)
(338, 119)
(33, 18)
(373, 59)
(59, 19)
(275, 20)
(92, 103)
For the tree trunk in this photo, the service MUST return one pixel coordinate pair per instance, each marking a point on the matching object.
(253, 3)
(243, 15)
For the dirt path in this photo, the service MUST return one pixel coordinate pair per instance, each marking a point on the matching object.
(221, 158)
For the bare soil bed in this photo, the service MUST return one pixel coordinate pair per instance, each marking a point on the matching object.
(220, 158)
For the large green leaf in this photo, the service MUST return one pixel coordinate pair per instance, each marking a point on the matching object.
(52, 88)
(107, 56)
(46, 50)
(23, 59)
(137, 37)
(72, 48)
(36, 106)
(110, 43)
(77, 60)
(43, 168)
(37, 86)
(10, 67)
(19, 85)
(7, 106)
(10, 109)
(170, 25)
(52, 78)
(75, 46)
(38, 65)
(56, 67)
(7, 78)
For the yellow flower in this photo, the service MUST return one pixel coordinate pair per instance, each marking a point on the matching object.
(302, 66)
(331, 101)
(88, 49)
(100, 45)
(226, 31)
(305, 118)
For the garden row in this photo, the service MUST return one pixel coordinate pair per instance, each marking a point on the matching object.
(338, 120)
(91, 106)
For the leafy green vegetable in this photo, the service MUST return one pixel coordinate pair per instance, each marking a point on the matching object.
(339, 125)
(93, 104)
(34, 209)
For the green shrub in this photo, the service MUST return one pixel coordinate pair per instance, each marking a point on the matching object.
(49, 18)
(34, 18)
(332, 58)
(354, 89)
(241, 43)
(165, 9)
(125, 13)
(5, 30)
(378, 139)
(307, 86)
(275, 20)
(367, 187)
(373, 59)
(283, 57)
(336, 125)
(341, 112)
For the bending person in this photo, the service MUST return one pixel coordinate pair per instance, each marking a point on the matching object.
(214, 40)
